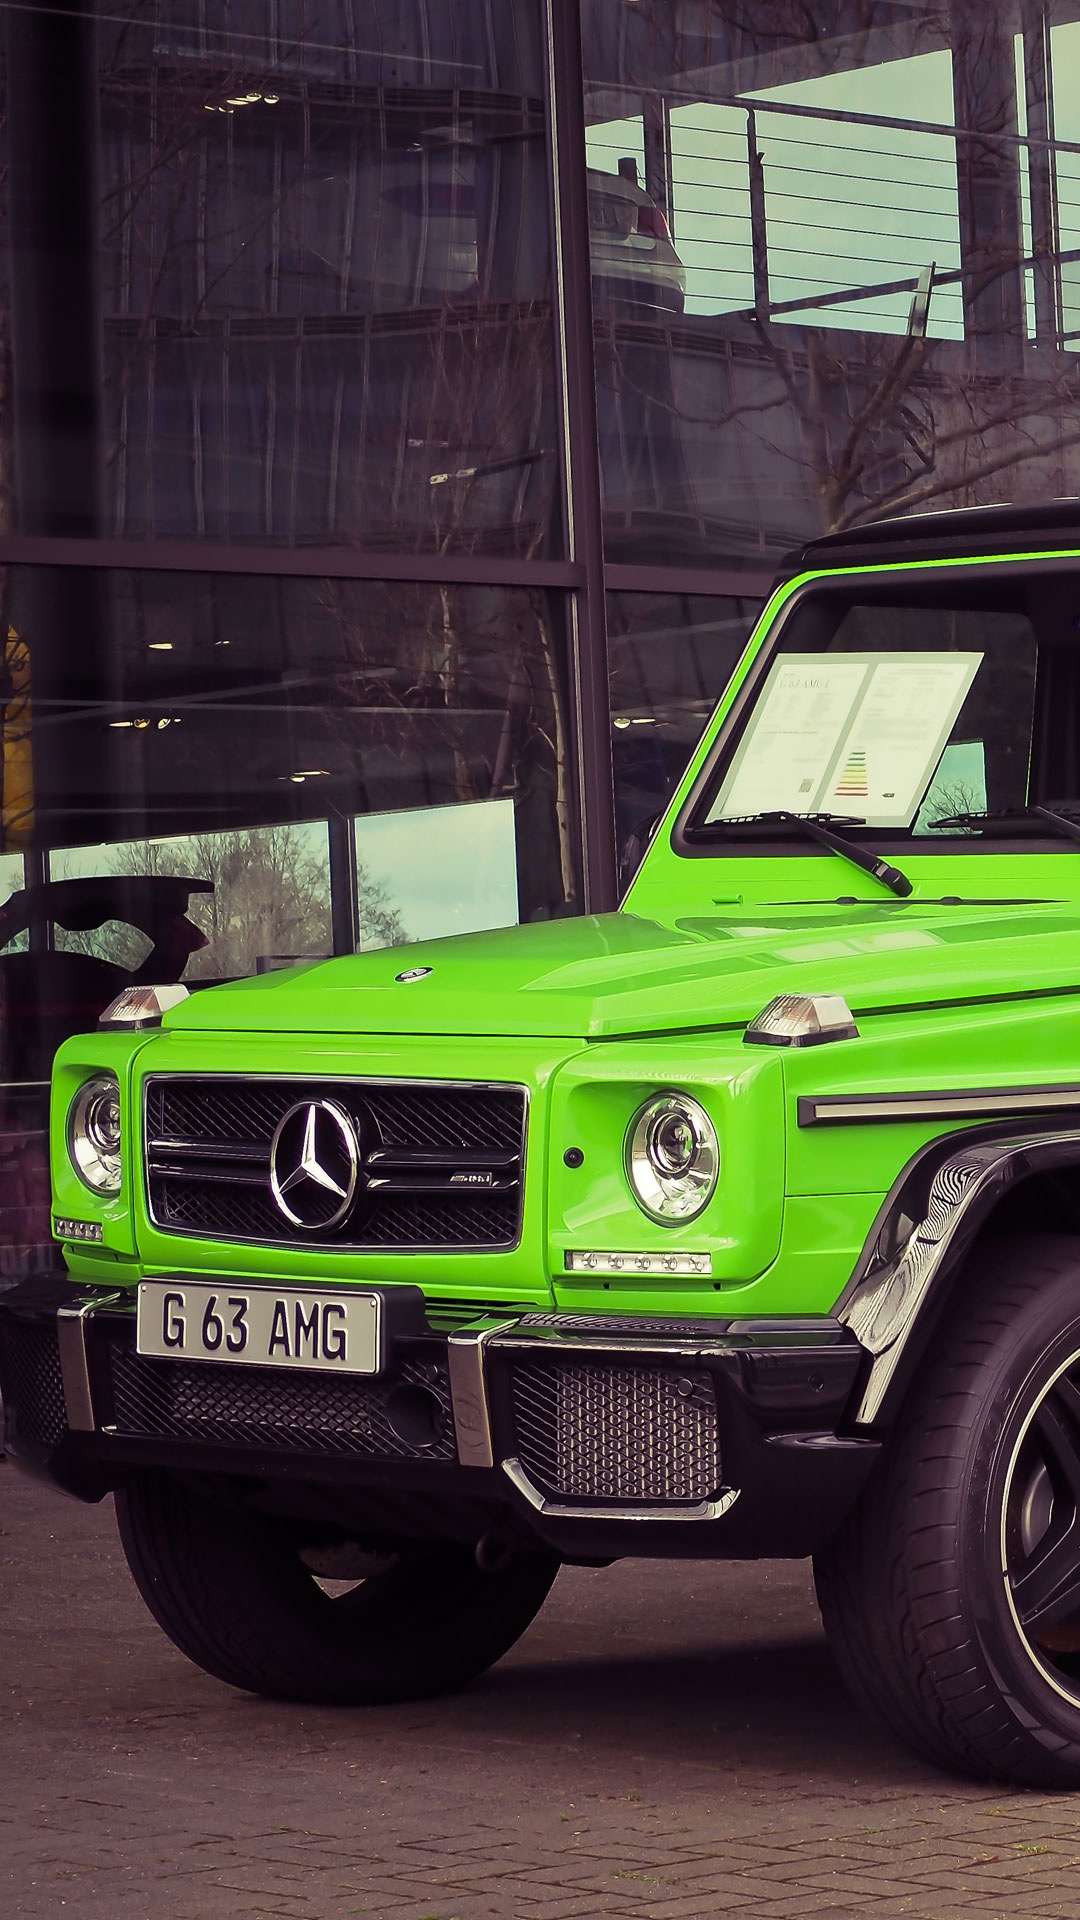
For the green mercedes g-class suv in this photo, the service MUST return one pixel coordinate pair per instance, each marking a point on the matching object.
(742, 1222)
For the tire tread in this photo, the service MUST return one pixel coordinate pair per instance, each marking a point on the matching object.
(232, 1595)
(890, 1585)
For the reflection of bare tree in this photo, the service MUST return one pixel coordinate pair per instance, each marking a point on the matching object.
(466, 464)
(174, 239)
(334, 291)
(958, 797)
(305, 274)
(858, 422)
(458, 695)
(865, 422)
(899, 426)
(484, 668)
(271, 898)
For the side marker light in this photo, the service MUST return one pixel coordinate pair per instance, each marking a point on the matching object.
(802, 1020)
(142, 1006)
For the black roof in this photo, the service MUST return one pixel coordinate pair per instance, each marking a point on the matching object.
(950, 534)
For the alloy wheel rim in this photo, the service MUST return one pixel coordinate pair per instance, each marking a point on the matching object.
(1040, 1532)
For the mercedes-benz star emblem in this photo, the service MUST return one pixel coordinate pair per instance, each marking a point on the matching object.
(413, 973)
(314, 1165)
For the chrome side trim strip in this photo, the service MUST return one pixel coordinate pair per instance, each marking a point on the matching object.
(74, 1368)
(468, 1394)
(834, 1109)
(560, 1510)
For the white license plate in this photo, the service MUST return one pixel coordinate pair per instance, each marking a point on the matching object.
(259, 1326)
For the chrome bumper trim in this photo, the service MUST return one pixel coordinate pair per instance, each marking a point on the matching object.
(468, 1394)
(562, 1510)
(74, 1367)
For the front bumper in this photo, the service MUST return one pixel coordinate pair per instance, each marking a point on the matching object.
(594, 1436)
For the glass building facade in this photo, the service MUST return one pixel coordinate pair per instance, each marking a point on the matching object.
(404, 405)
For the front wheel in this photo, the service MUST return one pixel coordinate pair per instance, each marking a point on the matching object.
(952, 1596)
(233, 1591)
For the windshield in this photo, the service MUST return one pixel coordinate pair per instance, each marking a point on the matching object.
(900, 709)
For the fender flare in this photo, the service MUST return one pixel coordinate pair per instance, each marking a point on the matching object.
(891, 1301)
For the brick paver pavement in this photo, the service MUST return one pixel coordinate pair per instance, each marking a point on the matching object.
(666, 1743)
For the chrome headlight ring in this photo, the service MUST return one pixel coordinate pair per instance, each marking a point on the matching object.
(672, 1158)
(94, 1133)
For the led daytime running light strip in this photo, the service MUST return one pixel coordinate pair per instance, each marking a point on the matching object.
(587, 1261)
(77, 1229)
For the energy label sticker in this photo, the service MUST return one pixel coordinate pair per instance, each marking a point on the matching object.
(856, 734)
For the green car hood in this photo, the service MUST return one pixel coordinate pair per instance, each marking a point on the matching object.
(618, 975)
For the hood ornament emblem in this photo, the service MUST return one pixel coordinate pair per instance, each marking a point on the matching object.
(314, 1165)
(413, 973)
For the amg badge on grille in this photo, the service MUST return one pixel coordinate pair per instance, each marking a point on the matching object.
(472, 1179)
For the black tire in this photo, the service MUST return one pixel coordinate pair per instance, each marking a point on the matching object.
(951, 1598)
(232, 1592)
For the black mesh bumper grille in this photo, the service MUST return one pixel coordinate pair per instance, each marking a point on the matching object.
(615, 1432)
(440, 1165)
(405, 1418)
(32, 1382)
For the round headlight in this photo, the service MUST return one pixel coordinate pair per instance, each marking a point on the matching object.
(672, 1158)
(94, 1133)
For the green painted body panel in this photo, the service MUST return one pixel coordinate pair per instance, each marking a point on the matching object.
(620, 975)
(595, 1015)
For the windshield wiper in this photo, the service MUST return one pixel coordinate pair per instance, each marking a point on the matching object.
(1012, 817)
(813, 826)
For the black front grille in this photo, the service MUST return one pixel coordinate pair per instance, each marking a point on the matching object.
(432, 1116)
(406, 1417)
(32, 1383)
(440, 1166)
(626, 1433)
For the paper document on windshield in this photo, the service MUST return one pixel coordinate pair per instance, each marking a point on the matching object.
(848, 733)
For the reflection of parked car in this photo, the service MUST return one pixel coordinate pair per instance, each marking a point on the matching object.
(432, 238)
(49, 994)
(633, 260)
(433, 247)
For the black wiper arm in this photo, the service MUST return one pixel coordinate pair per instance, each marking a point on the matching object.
(812, 825)
(1011, 816)
(1060, 820)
